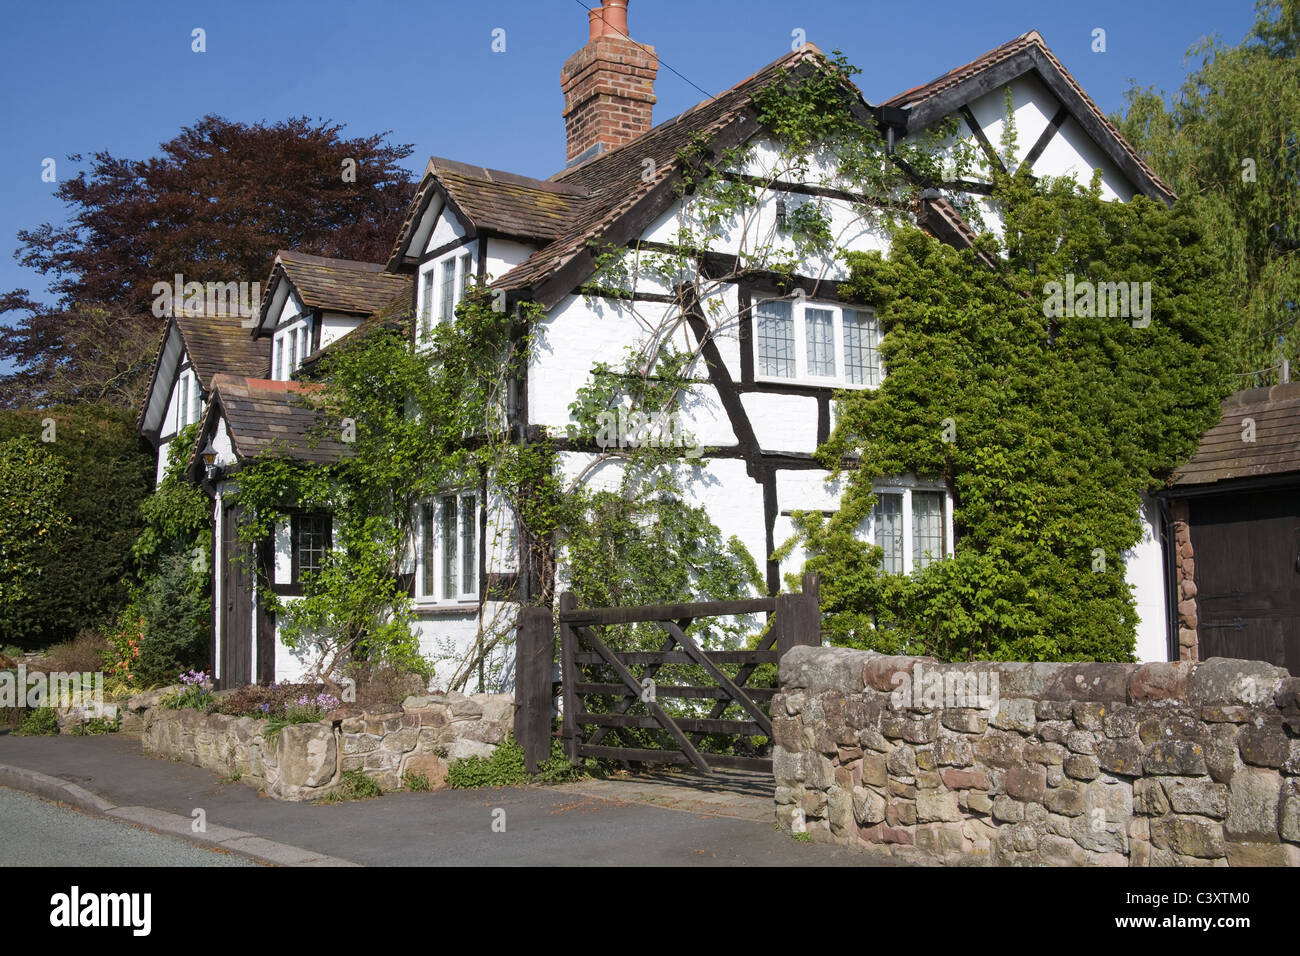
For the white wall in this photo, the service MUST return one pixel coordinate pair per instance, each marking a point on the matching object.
(1144, 570)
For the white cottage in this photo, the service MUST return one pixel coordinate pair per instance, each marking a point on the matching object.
(771, 354)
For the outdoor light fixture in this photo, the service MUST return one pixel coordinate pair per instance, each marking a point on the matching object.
(780, 210)
(209, 456)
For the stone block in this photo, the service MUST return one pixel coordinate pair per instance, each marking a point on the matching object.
(1182, 758)
(1254, 796)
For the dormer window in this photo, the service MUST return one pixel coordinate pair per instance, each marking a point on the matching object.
(290, 347)
(443, 284)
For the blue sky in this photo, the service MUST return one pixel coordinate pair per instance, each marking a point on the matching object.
(121, 76)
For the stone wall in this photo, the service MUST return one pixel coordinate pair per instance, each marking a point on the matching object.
(1011, 763)
(307, 761)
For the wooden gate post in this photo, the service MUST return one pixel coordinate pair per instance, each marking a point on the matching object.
(570, 676)
(799, 617)
(534, 657)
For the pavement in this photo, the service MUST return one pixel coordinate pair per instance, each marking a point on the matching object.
(644, 820)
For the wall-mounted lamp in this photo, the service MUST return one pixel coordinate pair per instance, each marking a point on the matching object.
(209, 456)
(780, 210)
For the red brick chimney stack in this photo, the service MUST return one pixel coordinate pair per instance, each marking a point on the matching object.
(608, 85)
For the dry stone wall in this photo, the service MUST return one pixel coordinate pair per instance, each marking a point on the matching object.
(307, 761)
(1014, 763)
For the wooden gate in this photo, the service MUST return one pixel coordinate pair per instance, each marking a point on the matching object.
(587, 655)
(1248, 576)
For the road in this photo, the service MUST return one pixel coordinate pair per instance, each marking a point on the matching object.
(36, 832)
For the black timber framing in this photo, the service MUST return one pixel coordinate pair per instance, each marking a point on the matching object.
(973, 125)
(1032, 59)
(1048, 134)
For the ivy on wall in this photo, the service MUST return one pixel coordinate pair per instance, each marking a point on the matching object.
(1054, 426)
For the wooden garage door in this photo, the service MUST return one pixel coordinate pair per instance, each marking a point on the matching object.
(1247, 550)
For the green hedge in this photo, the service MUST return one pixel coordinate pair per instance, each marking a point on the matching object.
(76, 575)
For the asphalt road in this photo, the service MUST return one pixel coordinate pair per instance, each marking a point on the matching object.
(35, 832)
(511, 826)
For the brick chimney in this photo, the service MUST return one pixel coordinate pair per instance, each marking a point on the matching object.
(608, 86)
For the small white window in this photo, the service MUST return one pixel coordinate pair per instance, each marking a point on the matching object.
(819, 343)
(449, 549)
(196, 403)
(911, 523)
(775, 339)
(277, 358)
(447, 298)
(426, 301)
(466, 271)
(293, 354)
(861, 347)
(182, 401)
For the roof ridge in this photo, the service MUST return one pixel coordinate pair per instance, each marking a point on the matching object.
(355, 265)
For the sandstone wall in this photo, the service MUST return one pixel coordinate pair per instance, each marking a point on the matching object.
(307, 761)
(1012, 763)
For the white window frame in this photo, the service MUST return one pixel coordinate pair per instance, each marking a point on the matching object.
(290, 346)
(182, 399)
(907, 486)
(798, 310)
(435, 551)
(432, 305)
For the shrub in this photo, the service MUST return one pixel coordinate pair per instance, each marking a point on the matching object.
(355, 785)
(176, 612)
(416, 781)
(82, 563)
(39, 722)
(258, 700)
(85, 654)
(505, 768)
(383, 685)
(96, 725)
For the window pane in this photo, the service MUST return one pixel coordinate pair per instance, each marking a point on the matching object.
(469, 553)
(293, 353)
(888, 520)
(927, 528)
(196, 402)
(182, 402)
(466, 267)
(861, 347)
(426, 551)
(426, 300)
(820, 336)
(448, 547)
(448, 303)
(775, 339)
(313, 537)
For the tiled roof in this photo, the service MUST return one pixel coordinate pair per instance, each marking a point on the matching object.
(338, 285)
(215, 343)
(274, 418)
(493, 201)
(219, 344)
(395, 315)
(1034, 43)
(1225, 455)
(615, 179)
